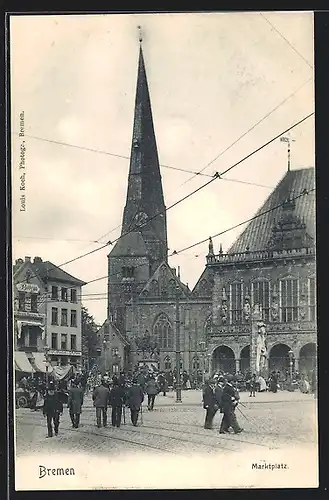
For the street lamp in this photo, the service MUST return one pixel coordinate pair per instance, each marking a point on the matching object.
(202, 345)
(178, 379)
(47, 362)
(291, 357)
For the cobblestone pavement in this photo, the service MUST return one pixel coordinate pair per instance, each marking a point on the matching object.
(270, 421)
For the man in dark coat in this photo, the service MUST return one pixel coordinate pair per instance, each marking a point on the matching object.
(135, 398)
(52, 409)
(152, 389)
(210, 403)
(253, 383)
(230, 399)
(274, 382)
(75, 402)
(117, 400)
(101, 398)
(162, 383)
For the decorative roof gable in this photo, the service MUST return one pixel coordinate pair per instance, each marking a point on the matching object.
(163, 284)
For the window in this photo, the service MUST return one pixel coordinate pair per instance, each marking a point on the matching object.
(54, 293)
(21, 301)
(106, 337)
(54, 316)
(167, 363)
(162, 330)
(289, 300)
(34, 302)
(128, 272)
(236, 302)
(261, 295)
(73, 295)
(64, 342)
(312, 299)
(115, 351)
(64, 294)
(73, 318)
(54, 340)
(33, 334)
(115, 368)
(73, 342)
(64, 317)
(196, 363)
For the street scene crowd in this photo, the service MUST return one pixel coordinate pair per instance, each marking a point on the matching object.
(129, 389)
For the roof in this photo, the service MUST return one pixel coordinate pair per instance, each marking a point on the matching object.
(258, 233)
(49, 272)
(168, 275)
(131, 244)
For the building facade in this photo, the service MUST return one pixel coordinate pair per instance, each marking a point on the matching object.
(47, 313)
(271, 267)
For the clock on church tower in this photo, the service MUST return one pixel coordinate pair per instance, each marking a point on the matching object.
(140, 219)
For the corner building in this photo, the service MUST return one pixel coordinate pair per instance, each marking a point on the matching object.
(272, 264)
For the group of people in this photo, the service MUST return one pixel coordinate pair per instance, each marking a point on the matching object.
(221, 394)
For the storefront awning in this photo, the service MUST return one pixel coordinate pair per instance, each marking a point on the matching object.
(22, 362)
(61, 372)
(20, 324)
(41, 363)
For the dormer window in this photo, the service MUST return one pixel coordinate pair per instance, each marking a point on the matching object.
(128, 272)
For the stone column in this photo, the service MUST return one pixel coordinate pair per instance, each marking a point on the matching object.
(237, 365)
(297, 364)
(255, 318)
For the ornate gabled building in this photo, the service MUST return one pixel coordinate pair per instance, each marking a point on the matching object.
(271, 265)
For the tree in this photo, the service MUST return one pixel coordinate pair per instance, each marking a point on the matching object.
(89, 339)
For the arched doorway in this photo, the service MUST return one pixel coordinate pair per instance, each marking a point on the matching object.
(279, 358)
(245, 359)
(307, 358)
(223, 359)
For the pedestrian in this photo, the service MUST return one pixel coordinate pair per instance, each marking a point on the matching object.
(210, 403)
(152, 389)
(163, 386)
(230, 399)
(101, 398)
(274, 382)
(253, 386)
(52, 409)
(117, 400)
(75, 402)
(135, 398)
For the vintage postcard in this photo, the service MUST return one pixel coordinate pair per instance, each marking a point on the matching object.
(164, 290)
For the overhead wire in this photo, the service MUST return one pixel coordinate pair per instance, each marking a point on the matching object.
(215, 177)
(247, 132)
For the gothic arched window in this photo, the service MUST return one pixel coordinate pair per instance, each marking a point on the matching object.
(196, 363)
(207, 326)
(171, 288)
(167, 363)
(163, 332)
(154, 288)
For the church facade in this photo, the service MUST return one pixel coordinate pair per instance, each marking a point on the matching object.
(271, 266)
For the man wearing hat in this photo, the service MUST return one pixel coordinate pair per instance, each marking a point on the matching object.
(52, 409)
(75, 402)
(101, 398)
(117, 400)
(135, 398)
(211, 402)
(230, 399)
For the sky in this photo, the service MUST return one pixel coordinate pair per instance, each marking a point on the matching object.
(212, 77)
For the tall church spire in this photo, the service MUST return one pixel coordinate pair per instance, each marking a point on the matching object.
(144, 194)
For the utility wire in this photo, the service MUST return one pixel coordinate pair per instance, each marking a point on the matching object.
(248, 131)
(287, 41)
(303, 193)
(216, 176)
(100, 151)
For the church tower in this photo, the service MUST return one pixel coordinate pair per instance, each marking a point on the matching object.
(142, 245)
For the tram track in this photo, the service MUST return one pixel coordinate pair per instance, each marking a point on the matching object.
(208, 447)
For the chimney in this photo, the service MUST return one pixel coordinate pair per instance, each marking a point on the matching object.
(27, 259)
(36, 260)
